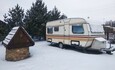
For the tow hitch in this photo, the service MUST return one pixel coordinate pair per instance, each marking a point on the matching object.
(108, 50)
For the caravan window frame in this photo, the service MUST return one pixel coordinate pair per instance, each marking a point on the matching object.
(76, 26)
(56, 28)
(49, 30)
(92, 31)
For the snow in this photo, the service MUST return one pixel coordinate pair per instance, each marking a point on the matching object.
(10, 35)
(45, 57)
(13, 31)
(100, 39)
(16, 27)
(6, 41)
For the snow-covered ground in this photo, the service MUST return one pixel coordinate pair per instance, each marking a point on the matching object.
(44, 57)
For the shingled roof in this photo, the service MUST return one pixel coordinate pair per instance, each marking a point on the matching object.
(18, 37)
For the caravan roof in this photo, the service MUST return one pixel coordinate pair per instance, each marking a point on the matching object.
(95, 25)
(64, 21)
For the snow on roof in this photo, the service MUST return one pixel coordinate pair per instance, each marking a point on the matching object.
(10, 35)
(15, 27)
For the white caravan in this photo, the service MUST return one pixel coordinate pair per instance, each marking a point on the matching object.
(76, 32)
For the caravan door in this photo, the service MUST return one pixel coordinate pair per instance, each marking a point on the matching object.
(66, 34)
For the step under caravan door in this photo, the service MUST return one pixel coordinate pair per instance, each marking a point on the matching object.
(67, 34)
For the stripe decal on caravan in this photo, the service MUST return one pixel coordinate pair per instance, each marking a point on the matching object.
(71, 37)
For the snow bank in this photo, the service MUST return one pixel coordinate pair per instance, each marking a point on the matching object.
(44, 57)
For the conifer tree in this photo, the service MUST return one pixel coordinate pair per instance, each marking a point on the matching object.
(36, 19)
(55, 14)
(14, 17)
(3, 30)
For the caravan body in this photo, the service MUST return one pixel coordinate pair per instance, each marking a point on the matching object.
(75, 31)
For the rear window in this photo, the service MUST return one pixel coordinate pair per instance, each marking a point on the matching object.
(77, 29)
(96, 28)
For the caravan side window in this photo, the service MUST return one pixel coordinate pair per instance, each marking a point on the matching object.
(77, 29)
(50, 30)
(56, 29)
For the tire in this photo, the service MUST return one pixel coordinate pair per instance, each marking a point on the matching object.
(102, 50)
(84, 50)
(108, 52)
(51, 43)
(61, 45)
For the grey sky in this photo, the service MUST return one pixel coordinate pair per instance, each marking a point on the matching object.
(96, 9)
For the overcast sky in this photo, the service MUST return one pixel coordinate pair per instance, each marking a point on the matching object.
(95, 9)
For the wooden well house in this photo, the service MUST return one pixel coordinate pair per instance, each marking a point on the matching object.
(17, 44)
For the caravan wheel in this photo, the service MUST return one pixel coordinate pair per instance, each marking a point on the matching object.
(61, 45)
